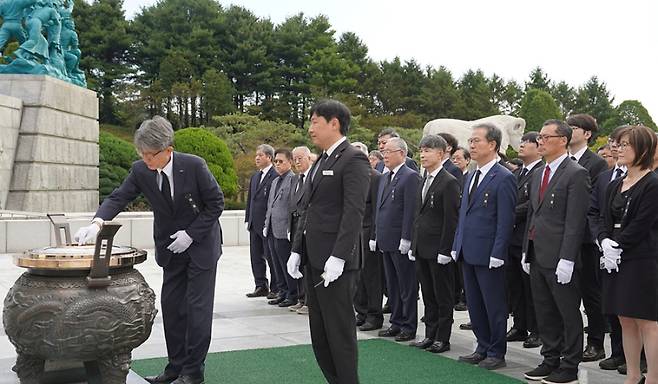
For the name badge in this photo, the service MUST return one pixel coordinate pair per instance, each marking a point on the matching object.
(328, 172)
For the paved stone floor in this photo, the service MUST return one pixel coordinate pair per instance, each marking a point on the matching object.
(242, 323)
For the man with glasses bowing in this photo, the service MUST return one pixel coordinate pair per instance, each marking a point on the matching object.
(486, 219)
(186, 202)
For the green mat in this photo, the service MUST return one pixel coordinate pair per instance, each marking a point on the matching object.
(380, 362)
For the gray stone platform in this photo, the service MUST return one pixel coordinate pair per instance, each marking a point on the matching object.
(242, 323)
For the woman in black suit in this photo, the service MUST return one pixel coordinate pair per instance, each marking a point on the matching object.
(629, 241)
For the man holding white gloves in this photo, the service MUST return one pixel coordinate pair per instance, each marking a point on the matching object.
(559, 201)
(396, 205)
(435, 222)
(186, 202)
(327, 236)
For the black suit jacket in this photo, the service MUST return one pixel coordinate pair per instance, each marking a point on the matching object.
(259, 193)
(332, 209)
(594, 164)
(638, 235)
(598, 202)
(295, 205)
(435, 219)
(522, 201)
(455, 172)
(192, 180)
(371, 204)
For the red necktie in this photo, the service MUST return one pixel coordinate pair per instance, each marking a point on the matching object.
(544, 182)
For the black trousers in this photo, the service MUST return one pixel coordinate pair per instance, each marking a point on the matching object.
(559, 321)
(616, 343)
(280, 251)
(333, 326)
(590, 283)
(402, 291)
(259, 252)
(188, 294)
(436, 283)
(460, 294)
(520, 293)
(369, 296)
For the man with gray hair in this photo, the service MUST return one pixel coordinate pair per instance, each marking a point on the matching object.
(396, 204)
(186, 202)
(254, 220)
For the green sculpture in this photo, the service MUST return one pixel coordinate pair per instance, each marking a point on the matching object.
(57, 53)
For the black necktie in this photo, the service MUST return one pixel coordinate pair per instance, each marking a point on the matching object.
(475, 185)
(390, 177)
(278, 184)
(524, 172)
(618, 173)
(260, 177)
(166, 189)
(300, 182)
(319, 166)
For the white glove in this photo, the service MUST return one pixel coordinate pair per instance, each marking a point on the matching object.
(495, 263)
(611, 249)
(404, 247)
(246, 225)
(453, 254)
(443, 259)
(293, 265)
(609, 264)
(372, 244)
(87, 234)
(333, 268)
(265, 232)
(525, 265)
(182, 241)
(410, 255)
(564, 271)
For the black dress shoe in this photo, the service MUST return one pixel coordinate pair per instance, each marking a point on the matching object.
(612, 363)
(259, 292)
(287, 303)
(405, 336)
(492, 363)
(539, 373)
(276, 301)
(461, 306)
(533, 341)
(562, 376)
(466, 326)
(369, 327)
(272, 295)
(163, 378)
(386, 308)
(360, 322)
(473, 358)
(516, 335)
(593, 353)
(423, 344)
(389, 332)
(184, 379)
(439, 347)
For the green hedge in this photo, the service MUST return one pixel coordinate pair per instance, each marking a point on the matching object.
(211, 148)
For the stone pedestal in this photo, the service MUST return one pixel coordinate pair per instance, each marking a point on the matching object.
(56, 162)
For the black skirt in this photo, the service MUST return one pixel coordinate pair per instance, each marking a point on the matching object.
(633, 291)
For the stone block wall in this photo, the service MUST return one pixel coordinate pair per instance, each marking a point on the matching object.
(10, 120)
(56, 162)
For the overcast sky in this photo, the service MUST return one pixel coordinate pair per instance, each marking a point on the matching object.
(571, 40)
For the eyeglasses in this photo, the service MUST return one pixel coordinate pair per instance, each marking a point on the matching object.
(546, 137)
(150, 156)
(389, 151)
(624, 145)
(474, 140)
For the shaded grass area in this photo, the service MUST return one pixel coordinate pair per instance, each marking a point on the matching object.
(380, 361)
